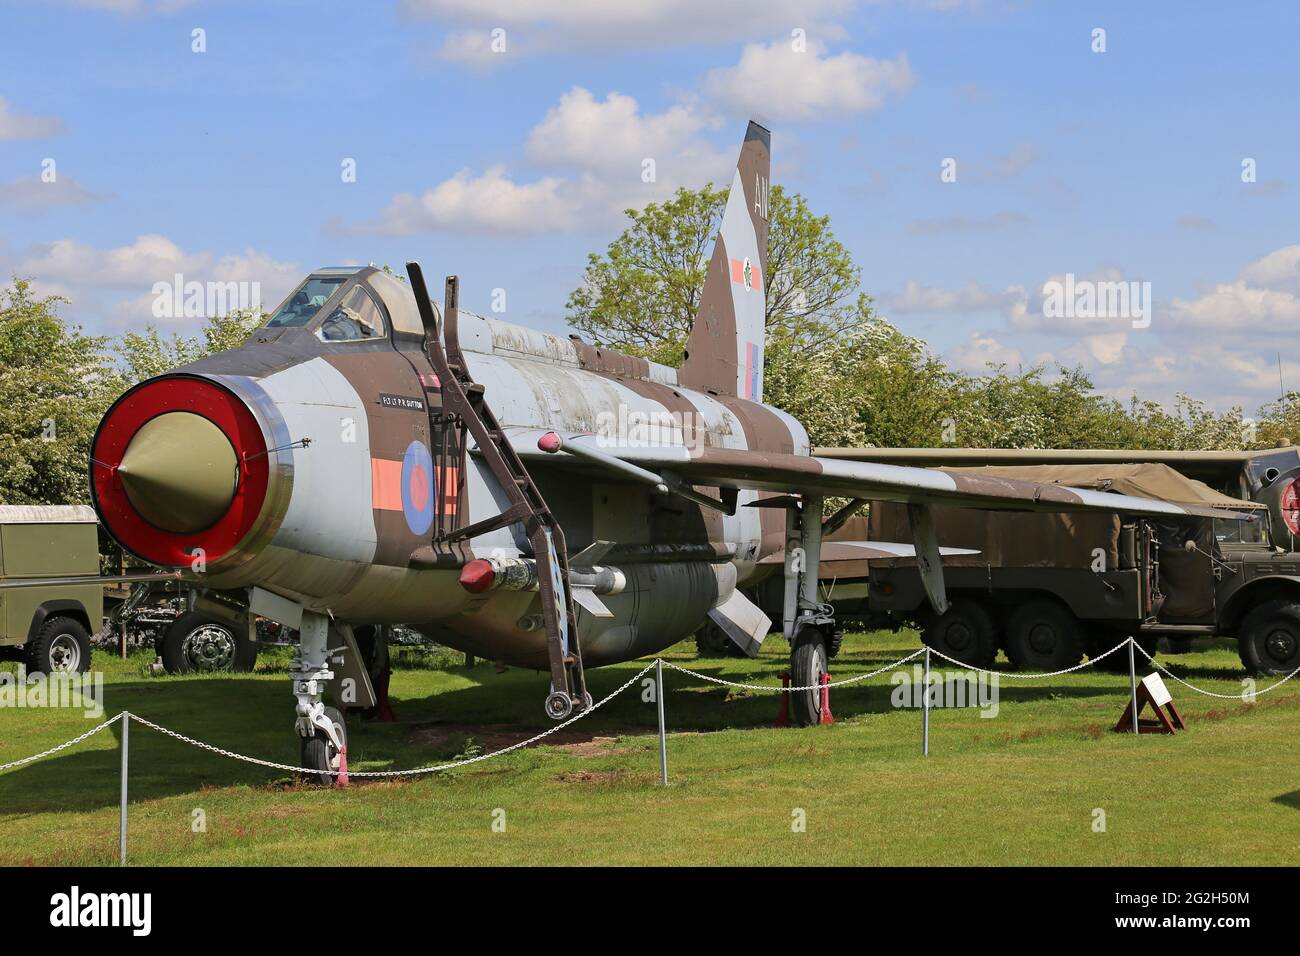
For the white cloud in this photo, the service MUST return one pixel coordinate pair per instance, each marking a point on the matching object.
(1265, 297)
(774, 81)
(108, 285)
(601, 26)
(31, 194)
(489, 203)
(612, 136)
(15, 126)
(969, 298)
(597, 151)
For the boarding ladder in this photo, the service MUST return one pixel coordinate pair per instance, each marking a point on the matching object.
(461, 400)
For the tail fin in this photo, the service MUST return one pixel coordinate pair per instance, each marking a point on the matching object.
(724, 353)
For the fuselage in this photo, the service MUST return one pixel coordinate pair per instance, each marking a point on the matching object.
(358, 475)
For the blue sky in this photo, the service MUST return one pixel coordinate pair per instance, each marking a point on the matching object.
(509, 167)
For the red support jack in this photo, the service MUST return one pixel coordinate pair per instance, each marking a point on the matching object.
(341, 780)
(383, 710)
(825, 705)
(783, 717)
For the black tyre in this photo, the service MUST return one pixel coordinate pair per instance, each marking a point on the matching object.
(1100, 641)
(319, 753)
(712, 641)
(965, 632)
(807, 667)
(61, 646)
(1044, 636)
(1269, 640)
(196, 644)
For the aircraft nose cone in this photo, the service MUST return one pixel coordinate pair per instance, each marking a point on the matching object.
(179, 472)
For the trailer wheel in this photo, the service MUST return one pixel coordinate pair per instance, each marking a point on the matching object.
(964, 632)
(1100, 641)
(1044, 636)
(1269, 640)
(196, 644)
(807, 666)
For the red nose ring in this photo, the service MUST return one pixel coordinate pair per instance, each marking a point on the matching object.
(179, 470)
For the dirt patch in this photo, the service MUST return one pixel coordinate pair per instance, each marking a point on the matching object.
(493, 737)
(592, 776)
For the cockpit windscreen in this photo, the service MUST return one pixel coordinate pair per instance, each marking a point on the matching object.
(301, 307)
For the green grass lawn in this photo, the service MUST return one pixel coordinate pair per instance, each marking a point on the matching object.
(1020, 788)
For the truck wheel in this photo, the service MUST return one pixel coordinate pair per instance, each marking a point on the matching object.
(319, 753)
(1099, 642)
(196, 644)
(712, 641)
(807, 667)
(61, 646)
(965, 632)
(1269, 640)
(1044, 636)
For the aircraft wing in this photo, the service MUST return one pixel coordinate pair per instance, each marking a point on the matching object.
(677, 467)
(866, 551)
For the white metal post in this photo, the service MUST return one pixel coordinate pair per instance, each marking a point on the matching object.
(663, 734)
(925, 706)
(126, 730)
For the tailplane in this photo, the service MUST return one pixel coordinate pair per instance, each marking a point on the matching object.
(724, 353)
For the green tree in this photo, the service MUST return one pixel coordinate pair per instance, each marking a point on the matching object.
(55, 385)
(642, 294)
(145, 354)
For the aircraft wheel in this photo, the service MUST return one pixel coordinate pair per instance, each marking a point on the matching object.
(558, 706)
(712, 641)
(965, 632)
(1045, 636)
(319, 753)
(808, 663)
(1269, 640)
(196, 644)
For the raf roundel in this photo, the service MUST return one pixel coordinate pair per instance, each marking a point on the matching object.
(417, 488)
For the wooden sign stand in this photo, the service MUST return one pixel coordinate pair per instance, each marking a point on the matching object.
(1151, 690)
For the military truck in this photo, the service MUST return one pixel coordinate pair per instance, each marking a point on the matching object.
(49, 627)
(1050, 588)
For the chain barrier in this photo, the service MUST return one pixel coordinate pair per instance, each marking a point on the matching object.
(1208, 693)
(63, 746)
(791, 690)
(271, 764)
(399, 773)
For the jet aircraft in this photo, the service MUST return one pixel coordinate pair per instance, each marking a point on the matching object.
(366, 459)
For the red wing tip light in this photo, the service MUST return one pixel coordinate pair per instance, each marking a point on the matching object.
(477, 576)
(550, 443)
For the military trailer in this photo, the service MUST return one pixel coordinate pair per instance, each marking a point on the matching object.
(1050, 589)
(49, 627)
(1269, 476)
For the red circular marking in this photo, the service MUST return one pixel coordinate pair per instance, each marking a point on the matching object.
(178, 393)
(550, 442)
(419, 488)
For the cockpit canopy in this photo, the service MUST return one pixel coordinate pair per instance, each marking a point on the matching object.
(348, 304)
